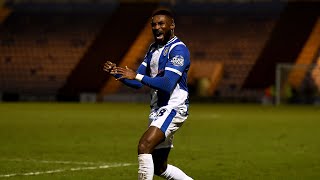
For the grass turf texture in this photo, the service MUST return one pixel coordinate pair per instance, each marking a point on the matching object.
(216, 142)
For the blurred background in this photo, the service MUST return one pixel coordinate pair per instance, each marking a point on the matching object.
(255, 51)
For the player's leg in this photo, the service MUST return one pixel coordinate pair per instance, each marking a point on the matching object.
(159, 135)
(160, 160)
(161, 152)
(165, 170)
(149, 140)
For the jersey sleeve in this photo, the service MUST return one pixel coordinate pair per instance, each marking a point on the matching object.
(166, 83)
(179, 59)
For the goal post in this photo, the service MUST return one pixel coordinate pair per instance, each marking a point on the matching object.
(297, 84)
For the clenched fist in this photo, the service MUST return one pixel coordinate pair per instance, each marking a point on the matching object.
(109, 66)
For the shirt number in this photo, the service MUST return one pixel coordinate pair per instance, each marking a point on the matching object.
(161, 112)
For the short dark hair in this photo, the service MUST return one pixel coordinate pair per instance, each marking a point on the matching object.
(163, 12)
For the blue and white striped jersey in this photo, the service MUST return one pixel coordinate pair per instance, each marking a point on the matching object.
(165, 70)
(172, 60)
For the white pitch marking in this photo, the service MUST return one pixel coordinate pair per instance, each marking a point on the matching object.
(54, 162)
(64, 170)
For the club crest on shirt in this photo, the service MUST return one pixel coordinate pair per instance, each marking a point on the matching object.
(165, 51)
(178, 60)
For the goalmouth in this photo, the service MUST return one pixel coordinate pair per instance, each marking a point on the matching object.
(297, 84)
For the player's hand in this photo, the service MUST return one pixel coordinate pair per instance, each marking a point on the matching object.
(109, 66)
(126, 73)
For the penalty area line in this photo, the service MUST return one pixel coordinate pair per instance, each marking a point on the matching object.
(65, 170)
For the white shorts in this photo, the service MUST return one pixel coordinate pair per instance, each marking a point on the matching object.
(168, 120)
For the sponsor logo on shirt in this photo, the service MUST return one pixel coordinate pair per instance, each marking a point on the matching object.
(178, 60)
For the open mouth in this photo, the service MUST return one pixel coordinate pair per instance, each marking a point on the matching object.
(159, 35)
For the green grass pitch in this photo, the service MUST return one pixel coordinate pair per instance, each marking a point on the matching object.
(71, 141)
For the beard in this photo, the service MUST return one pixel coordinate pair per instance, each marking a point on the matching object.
(162, 37)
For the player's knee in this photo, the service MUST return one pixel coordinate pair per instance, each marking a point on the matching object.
(144, 147)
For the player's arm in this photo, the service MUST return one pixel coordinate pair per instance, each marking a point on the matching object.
(178, 62)
(165, 83)
(131, 82)
(111, 68)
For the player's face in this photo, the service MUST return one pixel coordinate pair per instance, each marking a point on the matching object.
(162, 28)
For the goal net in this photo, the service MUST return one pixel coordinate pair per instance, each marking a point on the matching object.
(297, 84)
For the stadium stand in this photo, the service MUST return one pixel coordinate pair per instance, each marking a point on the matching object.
(234, 40)
(39, 49)
(316, 72)
(59, 50)
(306, 56)
(132, 59)
(112, 43)
(4, 13)
(288, 37)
